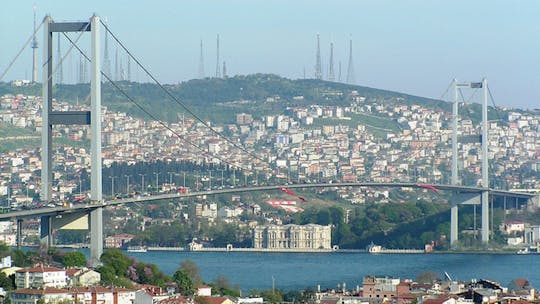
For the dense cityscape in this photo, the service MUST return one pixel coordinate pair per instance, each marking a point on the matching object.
(241, 187)
(307, 144)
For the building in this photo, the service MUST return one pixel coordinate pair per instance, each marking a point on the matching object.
(298, 237)
(384, 288)
(118, 241)
(244, 119)
(40, 277)
(532, 235)
(83, 277)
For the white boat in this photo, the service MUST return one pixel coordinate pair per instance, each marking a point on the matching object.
(372, 248)
(137, 249)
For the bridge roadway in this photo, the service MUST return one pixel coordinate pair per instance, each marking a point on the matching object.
(85, 208)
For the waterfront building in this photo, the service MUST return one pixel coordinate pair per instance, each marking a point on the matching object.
(298, 237)
(532, 235)
(118, 241)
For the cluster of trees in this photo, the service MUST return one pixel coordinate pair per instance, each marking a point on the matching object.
(391, 225)
(118, 269)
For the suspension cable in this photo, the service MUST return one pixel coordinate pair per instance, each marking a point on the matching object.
(447, 89)
(21, 50)
(180, 102)
(148, 113)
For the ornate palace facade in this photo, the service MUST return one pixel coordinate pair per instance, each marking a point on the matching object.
(297, 237)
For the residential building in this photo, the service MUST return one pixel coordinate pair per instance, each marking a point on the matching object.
(40, 277)
(384, 288)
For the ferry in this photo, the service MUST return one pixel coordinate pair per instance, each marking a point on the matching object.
(137, 249)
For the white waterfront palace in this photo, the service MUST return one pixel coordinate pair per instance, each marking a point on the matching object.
(297, 237)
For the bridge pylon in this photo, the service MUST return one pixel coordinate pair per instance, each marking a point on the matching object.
(465, 198)
(92, 118)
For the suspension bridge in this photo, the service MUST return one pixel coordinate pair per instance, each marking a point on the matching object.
(56, 217)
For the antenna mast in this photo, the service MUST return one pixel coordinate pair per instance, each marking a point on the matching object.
(60, 72)
(201, 63)
(318, 72)
(218, 73)
(350, 67)
(224, 70)
(34, 47)
(106, 60)
(331, 76)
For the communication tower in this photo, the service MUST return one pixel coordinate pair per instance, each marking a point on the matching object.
(201, 63)
(331, 76)
(318, 70)
(34, 46)
(60, 73)
(218, 70)
(106, 60)
(350, 67)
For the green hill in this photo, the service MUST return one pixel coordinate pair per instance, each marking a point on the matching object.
(250, 94)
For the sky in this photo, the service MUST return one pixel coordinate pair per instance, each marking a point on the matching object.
(415, 47)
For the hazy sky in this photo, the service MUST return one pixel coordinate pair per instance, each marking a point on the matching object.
(414, 47)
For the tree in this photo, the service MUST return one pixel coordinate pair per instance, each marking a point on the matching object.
(20, 258)
(427, 277)
(183, 283)
(6, 282)
(192, 271)
(223, 286)
(74, 259)
(116, 259)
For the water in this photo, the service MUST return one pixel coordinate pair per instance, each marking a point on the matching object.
(252, 270)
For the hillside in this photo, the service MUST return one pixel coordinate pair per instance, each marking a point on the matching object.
(258, 94)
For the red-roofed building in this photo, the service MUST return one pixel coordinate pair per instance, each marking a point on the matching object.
(31, 296)
(213, 300)
(176, 300)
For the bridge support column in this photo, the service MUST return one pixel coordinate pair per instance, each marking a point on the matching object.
(453, 225)
(485, 217)
(19, 233)
(96, 236)
(534, 201)
(458, 198)
(46, 236)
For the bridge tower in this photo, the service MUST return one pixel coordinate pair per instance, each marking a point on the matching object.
(92, 118)
(470, 198)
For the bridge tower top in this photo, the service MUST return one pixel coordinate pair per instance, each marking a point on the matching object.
(92, 117)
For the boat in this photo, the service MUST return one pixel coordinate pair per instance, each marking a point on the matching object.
(137, 249)
(372, 248)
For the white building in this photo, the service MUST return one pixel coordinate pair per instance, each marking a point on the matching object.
(298, 237)
(39, 277)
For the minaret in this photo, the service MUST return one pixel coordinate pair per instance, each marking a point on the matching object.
(201, 63)
(59, 71)
(34, 47)
(331, 76)
(350, 67)
(318, 71)
(339, 71)
(218, 74)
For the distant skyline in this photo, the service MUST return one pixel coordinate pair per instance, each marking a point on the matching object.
(413, 47)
